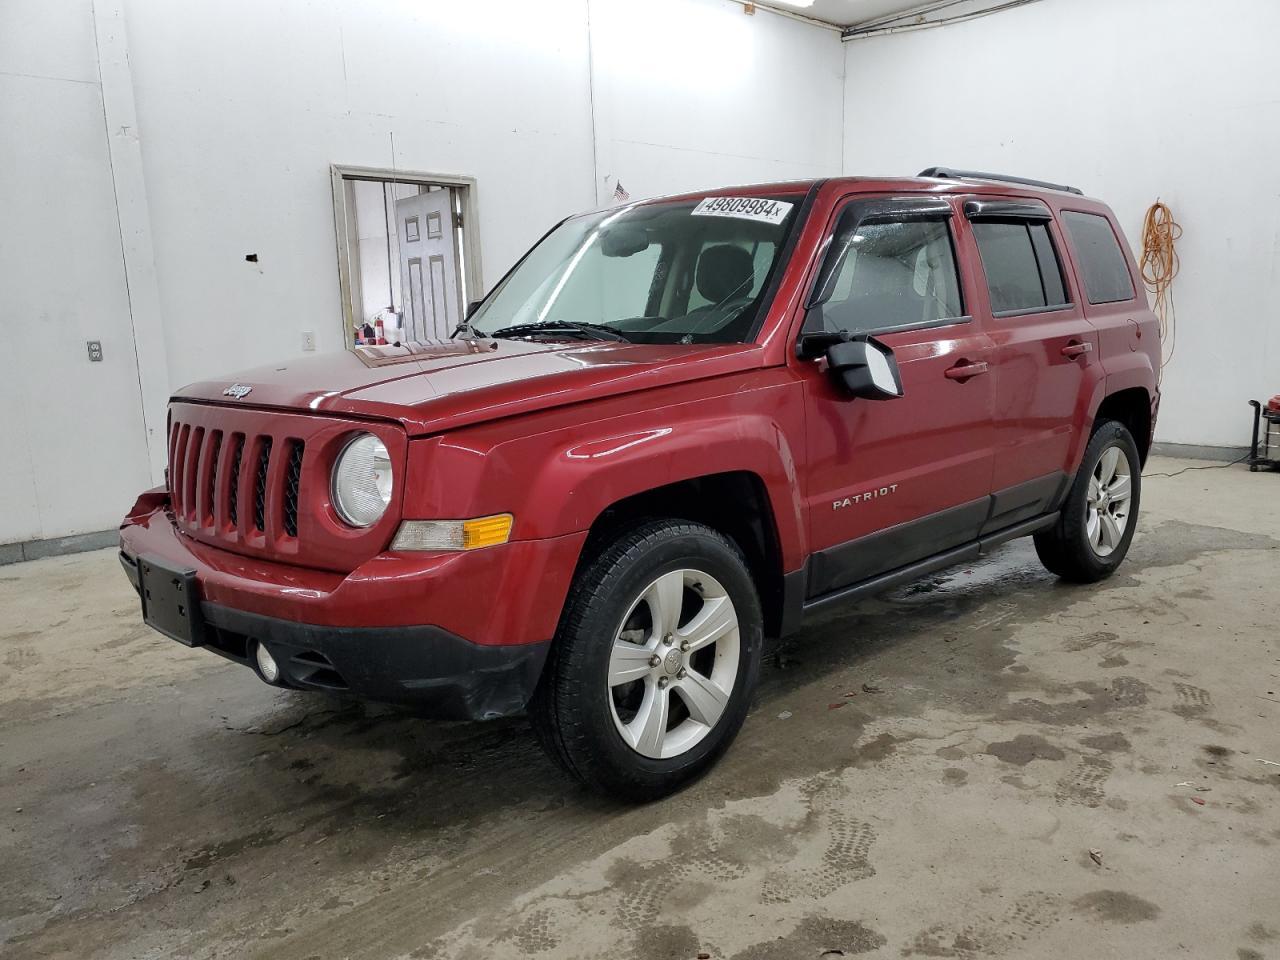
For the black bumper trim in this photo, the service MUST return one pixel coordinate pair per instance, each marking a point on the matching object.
(437, 672)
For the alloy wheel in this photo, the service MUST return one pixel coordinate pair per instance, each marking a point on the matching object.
(1110, 494)
(680, 637)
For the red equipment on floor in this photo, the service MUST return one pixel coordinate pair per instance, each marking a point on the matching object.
(1265, 451)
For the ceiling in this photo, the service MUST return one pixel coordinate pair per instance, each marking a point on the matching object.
(846, 13)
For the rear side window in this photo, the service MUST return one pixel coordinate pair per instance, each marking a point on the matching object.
(1022, 268)
(1106, 272)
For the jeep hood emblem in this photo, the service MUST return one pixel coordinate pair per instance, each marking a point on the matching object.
(237, 390)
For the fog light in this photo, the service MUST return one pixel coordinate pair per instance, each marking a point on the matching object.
(267, 665)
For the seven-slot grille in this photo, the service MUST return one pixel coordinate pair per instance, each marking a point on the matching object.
(256, 482)
(208, 483)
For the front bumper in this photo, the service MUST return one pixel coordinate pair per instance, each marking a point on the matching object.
(457, 636)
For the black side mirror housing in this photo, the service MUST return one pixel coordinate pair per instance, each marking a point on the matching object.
(866, 368)
(472, 307)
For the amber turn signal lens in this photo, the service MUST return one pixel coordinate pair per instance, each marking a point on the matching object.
(486, 531)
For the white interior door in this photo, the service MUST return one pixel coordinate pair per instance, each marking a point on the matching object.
(428, 265)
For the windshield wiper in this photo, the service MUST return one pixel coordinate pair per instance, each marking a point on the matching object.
(597, 331)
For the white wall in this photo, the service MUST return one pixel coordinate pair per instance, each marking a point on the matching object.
(695, 94)
(72, 447)
(1132, 100)
(241, 108)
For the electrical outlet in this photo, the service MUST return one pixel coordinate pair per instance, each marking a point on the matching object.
(308, 341)
(95, 350)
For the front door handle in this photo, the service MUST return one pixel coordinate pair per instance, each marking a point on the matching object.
(1076, 349)
(963, 370)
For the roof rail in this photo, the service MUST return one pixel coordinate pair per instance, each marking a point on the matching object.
(948, 173)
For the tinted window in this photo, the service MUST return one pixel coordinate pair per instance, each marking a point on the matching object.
(1055, 292)
(1106, 272)
(1022, 268)
(891, 275)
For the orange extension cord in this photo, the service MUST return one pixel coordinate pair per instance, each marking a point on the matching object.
(1160, 233)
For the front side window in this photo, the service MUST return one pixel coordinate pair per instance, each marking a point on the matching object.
(1022, 268)
(691, 271)
(1106, 272)
(891, 275)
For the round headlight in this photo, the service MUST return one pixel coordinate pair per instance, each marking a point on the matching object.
(362, 481)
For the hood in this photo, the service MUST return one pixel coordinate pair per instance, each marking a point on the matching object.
(440, 385)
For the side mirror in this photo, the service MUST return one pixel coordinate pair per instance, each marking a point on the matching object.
(472, 307)
(866, 368)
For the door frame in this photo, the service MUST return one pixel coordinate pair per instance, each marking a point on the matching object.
(470, 277)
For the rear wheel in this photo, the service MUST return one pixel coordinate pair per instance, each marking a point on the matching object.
(651, 673)
(1098, 520)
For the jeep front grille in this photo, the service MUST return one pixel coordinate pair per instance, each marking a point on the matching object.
(256, 482)
(207, 481)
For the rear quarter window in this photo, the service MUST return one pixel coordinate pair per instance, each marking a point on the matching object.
(1106, 272)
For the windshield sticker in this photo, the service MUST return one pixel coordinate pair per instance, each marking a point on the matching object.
(744, 208)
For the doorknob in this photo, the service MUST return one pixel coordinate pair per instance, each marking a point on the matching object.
(1076, 349)
(964, 369)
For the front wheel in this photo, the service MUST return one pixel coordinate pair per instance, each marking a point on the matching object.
(1098, 520)
(651, 672)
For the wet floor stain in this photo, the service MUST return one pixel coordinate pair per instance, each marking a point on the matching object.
(1116, 906)
(815, 937)
(1024, 748)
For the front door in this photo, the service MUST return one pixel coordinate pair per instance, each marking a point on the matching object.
(428, 265)
(891, 482)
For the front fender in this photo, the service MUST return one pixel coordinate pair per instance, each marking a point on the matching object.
(557, 472)
(598, 473)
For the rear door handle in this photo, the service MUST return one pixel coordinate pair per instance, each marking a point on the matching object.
(964, 370)
(1076, 349)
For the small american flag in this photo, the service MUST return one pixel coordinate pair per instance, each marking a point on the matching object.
(619, 194)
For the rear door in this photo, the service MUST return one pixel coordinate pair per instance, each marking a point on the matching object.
(1106, 278)
(1043, 351)
(892, 482)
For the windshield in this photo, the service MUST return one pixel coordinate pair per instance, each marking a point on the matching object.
(690, 271)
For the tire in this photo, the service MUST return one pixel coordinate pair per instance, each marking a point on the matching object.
(1087, 543)
(594, 709)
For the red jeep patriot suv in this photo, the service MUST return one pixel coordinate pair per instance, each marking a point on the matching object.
(674, 428)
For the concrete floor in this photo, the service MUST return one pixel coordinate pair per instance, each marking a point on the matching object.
(923, 775)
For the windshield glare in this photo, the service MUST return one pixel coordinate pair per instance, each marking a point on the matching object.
(671, 272)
